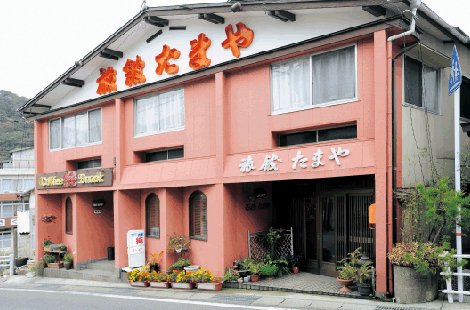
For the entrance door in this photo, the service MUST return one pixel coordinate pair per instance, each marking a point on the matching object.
(305, 231)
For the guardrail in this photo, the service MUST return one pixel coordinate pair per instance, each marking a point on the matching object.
(10, 259)
(450, 293)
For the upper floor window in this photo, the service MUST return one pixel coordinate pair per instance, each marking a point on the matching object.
(319, 80)
(81, 129)
(5, 240)
(158, 113)
(163, 155)
(89, 164)
(15, 185)
(316, 136)
(421, 85)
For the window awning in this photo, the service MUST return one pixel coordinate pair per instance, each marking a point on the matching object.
(430, 56)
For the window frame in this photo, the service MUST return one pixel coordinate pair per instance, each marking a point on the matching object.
(68, 232)
(88, 160)
(191, 197)
(2, 239)
(88, 131)
(144, 155)
(465, 79)
(151, 133)
(321, 105)
(316, 130)
(147, 215)
(439, 83)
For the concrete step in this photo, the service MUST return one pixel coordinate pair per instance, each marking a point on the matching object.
(104, 265)
(86, 274)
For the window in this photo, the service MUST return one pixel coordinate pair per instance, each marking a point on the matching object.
(465, 99)
(8, 210)
(152, 216)
(198, 216)
(5, 240)
(28, 184)
(81, 129)
(321, 135)
(68, 217)
(159, 113)
(7, 186)
(89, 164)
(322, 79)
(164, 155)
(421, 85)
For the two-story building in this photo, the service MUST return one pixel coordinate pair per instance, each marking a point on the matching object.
(17, 204)
(215, 120)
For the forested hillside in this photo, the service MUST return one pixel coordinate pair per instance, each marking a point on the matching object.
(14, 132)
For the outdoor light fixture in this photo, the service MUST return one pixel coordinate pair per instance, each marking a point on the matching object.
(260, 192)
(157, 21)
(236, 7)
(213, 18)
(282, 15)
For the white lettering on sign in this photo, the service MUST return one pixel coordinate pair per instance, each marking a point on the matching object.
(2, 222)
(269, 163)
(247, 164)
(14, 222)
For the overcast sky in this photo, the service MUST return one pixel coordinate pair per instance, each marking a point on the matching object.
(41, 39)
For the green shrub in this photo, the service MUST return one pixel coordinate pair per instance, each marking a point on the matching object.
(269, 270)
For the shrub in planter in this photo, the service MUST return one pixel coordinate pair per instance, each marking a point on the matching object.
(180, 264)
(231, 275)
(365, 273)
(138, 278)
(205, 281)
(68, 258)
(269, 271)
(255, 271)
(158, 280)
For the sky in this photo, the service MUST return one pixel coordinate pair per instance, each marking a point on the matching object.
(41, 39)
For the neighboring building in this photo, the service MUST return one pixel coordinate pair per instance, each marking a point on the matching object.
(17, 203)
(294, 108)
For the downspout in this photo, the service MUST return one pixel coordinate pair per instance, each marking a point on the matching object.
(414, 5)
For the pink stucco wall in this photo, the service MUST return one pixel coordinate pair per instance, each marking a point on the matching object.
(227, 117)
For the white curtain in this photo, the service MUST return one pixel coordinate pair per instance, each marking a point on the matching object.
(160, 112)
(54, 133)
(171, 110)
(8, 211)
(95, 125)
(7, 185)
(334, 76)
(290, 84)
(430, 89)
(81, 127)
(68, 132)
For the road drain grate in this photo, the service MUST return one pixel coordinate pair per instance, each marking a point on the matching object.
(48, 287)
(395, 308)
(235, 298)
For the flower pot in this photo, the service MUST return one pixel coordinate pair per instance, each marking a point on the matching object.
(411, 287)
(138, 284)
(55, 265)
(269, 277)
(209, 286)
(162, 285)
(345, 284)
(182, 286)
(191, 269)
(364, 289)
(254, 277)
(68, 265)
(296, 270)
(47, 248)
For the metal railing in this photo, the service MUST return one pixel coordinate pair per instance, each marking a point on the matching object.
(448, 272)
(10, 260)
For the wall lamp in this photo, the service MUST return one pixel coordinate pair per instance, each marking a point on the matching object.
(236, 7)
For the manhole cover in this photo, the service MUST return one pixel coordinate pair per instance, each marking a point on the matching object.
(395, 308)
(235, 298)
(123, 291)
(48, 287)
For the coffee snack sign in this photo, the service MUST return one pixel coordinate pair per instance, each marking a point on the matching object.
(79, 178)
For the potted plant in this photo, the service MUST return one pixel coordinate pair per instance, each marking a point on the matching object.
(364, 274)
(347, 273)
(53, 262)
(295, 262)
(269, 271)
(47, 244)
(158, 280)
(178, 244)
(37, 269)
(180, 264)
(205, 281)
(244, 267)
(255, 271)
(137, 278)
(231, 276)
(63, 247)
(155, 261)
(68, 258)
(182, 281)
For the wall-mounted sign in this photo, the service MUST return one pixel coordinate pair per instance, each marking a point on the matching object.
(261, 206)
(14, 221)
(79, 178)
(97, 211)
(2, 222)
(98, 203)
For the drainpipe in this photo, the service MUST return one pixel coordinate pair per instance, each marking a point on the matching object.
(414, 5)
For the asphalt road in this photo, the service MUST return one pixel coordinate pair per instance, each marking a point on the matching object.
(19, 299)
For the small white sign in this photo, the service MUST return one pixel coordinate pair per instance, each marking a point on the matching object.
(135, 250)
(14, 221)
(2, 222)
(97, 211)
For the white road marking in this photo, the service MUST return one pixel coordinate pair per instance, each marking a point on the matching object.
(190, 302)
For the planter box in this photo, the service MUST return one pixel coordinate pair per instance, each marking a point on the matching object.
(182, 286)
(55, 265)
(163, 285)
(411, 287)
(138, 284)
(209, 286)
